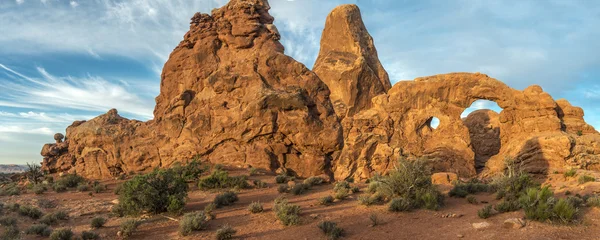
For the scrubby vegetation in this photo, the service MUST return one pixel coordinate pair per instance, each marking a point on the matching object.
(371, 199)
(485, 212)
(220, 179)
(155, 192)
(190, 172)
(11, 189)
(314, 181)
(283, 178)
(89, 235)
(45, 203)
(571, 173)
(98, 222)
(331, 230)
(225, 232)
(39, 188)
(540, 205)
(464, 189)
(288, 214)
(586, 178)
(472, 199)
(129, 227)
(11, 232)
(255, 207)
(374, 219)
(282, 188)
(326, 201)
(299, 189)
(34, 173)
(62, 234)
(30, 211)
(8, 221)
(259, 184)
(194, 221)
(42, 230)
(225, 199)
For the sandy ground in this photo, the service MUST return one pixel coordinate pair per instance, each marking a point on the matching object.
(352, 217)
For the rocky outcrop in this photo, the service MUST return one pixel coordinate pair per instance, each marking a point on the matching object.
(348, 62)
(230, 95)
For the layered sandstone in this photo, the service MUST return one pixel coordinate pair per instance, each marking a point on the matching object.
(230, 95)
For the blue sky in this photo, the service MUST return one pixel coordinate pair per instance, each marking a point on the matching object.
(66, 60)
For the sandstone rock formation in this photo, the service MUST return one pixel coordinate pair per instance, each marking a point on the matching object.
(230, 95)
(348, 62)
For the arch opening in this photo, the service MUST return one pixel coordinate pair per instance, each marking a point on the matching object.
(434, 122)
(482, 119)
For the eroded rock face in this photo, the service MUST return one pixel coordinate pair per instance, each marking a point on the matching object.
(348, 62)
(229, 95)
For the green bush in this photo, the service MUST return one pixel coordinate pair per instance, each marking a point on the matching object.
(576, 202)
(313, 181)
(226, 232)
(513, 186)
(155, 192)
(255, 207)
(225, 199)
(485, 212)
(39, 229)
(472, 199)
(282, 188)
(341, 185)
(11, 232)
(11, 189)
(564, 211)
(194, 221)
(253, 171)
(400, 205)
(571, 173)
(39, 188)
(98, 222)
(259, 184)
(49, 219)
(34, 173)
(61, 215)
(209, 211)
(98, 188)
(220, 179)
(586, 178)
(13, 207)
(341, 194)
(83, 187)
(128, 227)
(288, 214)
(8, 221)
(593, 202)
(59, 187)
(282, 178)
(190, 172)
(371, 199)
(507, 206)
(355, 189)
(89, 235)
(71, 180)
(30, 211)
(62, 234)
(299, 189)
(540, 205)
(331, 230)
(326, 201)
(464, 189)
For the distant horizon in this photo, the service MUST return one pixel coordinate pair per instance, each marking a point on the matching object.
(57, 67)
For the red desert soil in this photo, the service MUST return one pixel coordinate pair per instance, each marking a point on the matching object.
(352, 217)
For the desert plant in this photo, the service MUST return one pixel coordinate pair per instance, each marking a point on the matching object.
(98, 188)
(45, 203)
(11, 232)
(331, 230)
(326, 201)
(253, 171)
(71, 180)
(39, 188)
(288, 214)
(579, 133)
(259, 184)
(374, 219)
(371, 199)
(225, 199)
(571, 172)
(128, 227)
(42, 230)
(30, 211)
(8, 221)
(400, 205)
(225, 232)
(218, 167)
(313, 181)
(283, 178)
(83, 187)
(98, 222)
(341, 194)
(299, 189)
(59, 187)
(221, 179)
(341, 185)
(34, 173)
(61, 215)
(62, 234)
(155, 192)
(355, 189)
(191, 171)
(507, 206)
(472, 199)
(209, 211)
(194, 221)
(282, 188)
(540, 205)
(255, 207)
(89, 235)
(11, 189)
(485, 212)
(464, 189)
(586, 178)
(13, 207)
(564, 211)
(49, 219)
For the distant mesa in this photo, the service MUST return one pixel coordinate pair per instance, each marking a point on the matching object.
(230, 95)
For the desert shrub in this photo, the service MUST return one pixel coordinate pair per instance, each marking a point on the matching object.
(331, 230)
(400, 205)
(226, 232)
(567, 193)
(62, 234)
(259, 184)
(485, 212)
(209, 211)
(326, 201)
(11, 232)
(39, 188)
(355, 189)
(45, 203)
(576, 202)
(221, 179)
(83, 187)
(374, 219)
(472, 199)
(71, 180)
(49, 179)
(313, 181)
(59, 187)
(218, 167)
(411, 181)
(30, 211)
(464, 189)
(128, 227)
(288, 214)
(89, 235)
(225, 199)
(13, 207)
(39, 229)
(586, 178)
(341, 194)
(571, 173)
(255, 207)
(593, 201)
(99, 188)
(513, 186)
(11, 189)
(373, 186)
(194, 221)
(299, 189)
(253, 171)
(371, 199)
(191, 171)
(282, 188)
(540, 205)
(341, 185)
(98, 222)
(34, 173)
(8, 221)
(507, 206)
(61, 215)
(155, 192)
(49, 219)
